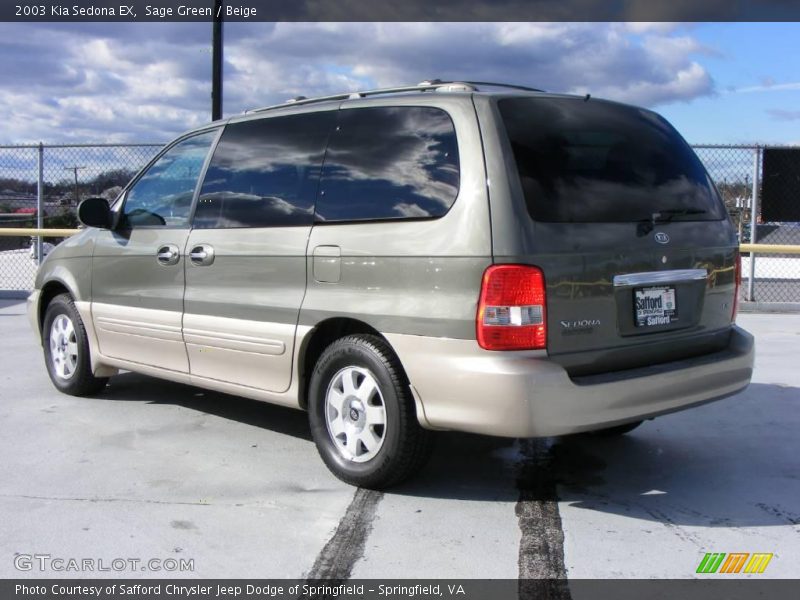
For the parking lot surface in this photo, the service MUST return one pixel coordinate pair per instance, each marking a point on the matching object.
(155, 470)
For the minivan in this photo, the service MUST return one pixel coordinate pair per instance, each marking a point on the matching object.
(452, 256)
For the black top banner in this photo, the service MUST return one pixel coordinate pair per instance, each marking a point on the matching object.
(398, 10)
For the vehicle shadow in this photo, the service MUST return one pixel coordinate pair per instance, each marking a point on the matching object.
(133, 387)
(727, 464)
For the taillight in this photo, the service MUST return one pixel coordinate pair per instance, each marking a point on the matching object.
(511, 309)
(738, 280)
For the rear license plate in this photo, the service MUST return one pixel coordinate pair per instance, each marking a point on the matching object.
(655, 306)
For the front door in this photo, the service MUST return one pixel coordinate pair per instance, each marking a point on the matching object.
(138, 268)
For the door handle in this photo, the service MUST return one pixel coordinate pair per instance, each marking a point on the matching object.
(168, 254)
(202, 255)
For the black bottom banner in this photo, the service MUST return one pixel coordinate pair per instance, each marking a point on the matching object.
(396, 589)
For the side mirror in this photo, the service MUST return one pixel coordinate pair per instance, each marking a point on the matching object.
(95, 212)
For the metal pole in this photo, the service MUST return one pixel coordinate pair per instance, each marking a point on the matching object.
(75, 170)
(741, 224)
(741, 204)
(754, 222)
(216, 66)
(40, 203)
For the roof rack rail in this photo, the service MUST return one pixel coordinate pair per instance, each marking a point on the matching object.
(512, 86)
(424, 86)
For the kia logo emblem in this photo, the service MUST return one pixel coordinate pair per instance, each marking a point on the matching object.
(662, 238)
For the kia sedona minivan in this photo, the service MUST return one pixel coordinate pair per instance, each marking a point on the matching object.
(448, 256)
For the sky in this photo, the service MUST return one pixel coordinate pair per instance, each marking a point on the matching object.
(147, 82)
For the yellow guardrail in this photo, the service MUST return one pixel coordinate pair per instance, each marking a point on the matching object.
(20, 232)
(756, 248)
(770, 248)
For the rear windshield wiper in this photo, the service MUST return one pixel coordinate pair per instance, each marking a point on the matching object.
(645, 226)
(665, 216)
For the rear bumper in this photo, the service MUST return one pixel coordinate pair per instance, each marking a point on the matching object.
(461, 387)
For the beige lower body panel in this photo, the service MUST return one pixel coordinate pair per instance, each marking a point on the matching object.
(289, 398)
(140, 335)
(249, 353)
(523, 394)
(98, 368)
(32, 308)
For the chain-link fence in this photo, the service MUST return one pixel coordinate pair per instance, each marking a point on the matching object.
(764, 181)
(55, 178)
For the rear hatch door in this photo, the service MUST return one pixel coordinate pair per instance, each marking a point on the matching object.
(636, 247)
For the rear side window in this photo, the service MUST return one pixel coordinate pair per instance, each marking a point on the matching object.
(389, 163)
(265, 173)
(594, 161)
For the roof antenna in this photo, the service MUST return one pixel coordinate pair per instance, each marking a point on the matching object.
(586, 97)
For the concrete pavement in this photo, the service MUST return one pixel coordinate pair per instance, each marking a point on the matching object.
(155, 470)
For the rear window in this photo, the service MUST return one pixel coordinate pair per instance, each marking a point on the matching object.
(590, 161)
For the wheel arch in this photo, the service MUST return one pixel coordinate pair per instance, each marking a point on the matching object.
(56, 286)
(320, 337)
(50, 290)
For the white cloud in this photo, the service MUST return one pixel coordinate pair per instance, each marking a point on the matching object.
(605, 59)
(770, 87)
(643, 27)
(127, 82)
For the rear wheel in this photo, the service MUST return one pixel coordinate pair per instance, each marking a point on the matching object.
(362, 415)
(616, 431)
(66, 349)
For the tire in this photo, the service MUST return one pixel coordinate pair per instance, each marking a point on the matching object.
(616, 431)
(362, 415)
(66, 349)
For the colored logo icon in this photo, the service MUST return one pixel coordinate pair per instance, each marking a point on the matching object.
(735, 562)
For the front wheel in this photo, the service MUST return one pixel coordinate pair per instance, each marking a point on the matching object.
(363, 419)
(66, 349)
